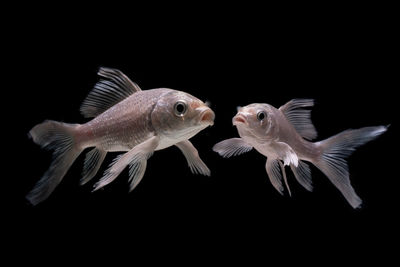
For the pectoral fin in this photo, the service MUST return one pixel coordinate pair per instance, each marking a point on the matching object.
(196, 165)
(232, 147)
(136, 158)
(285, 153)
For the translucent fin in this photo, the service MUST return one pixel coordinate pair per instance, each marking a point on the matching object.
(93, 161)
(232, 147)
(272, 167)
(303, 175)
(136, 172)
(59, 137)
(334, 152)
(299, 117)
(136, 156)
(196, 165)
(284, 177)
(116, 167)
(107, 92)
(138, 164)
(285, 153)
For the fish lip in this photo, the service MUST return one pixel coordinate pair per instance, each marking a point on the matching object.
(239, 119)
(206, 116)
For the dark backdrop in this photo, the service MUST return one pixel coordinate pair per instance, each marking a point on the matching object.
(345, 61)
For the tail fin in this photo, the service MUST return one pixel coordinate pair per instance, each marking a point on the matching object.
(59, 137)
(335, 150)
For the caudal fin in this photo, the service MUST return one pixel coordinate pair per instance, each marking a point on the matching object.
(335, 150)
(59, 137)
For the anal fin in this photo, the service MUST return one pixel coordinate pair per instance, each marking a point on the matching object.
(303, 175)
(93, 160)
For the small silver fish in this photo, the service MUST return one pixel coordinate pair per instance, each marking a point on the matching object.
(125, 119)
(280, 135)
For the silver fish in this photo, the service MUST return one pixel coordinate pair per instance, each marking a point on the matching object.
(125, 119)
(282, 135)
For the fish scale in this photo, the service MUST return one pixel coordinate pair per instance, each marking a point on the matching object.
(125, 125)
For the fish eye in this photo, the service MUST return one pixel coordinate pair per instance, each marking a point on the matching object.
(261, 115)
(180, 108)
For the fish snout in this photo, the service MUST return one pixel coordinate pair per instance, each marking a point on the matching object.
(238, 119)
(206, 115)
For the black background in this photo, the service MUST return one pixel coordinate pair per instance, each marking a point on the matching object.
(346, 58)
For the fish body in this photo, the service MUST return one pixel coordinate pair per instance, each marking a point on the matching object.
(130, 122)
(284, 136)
(125, 119)
(282, 131)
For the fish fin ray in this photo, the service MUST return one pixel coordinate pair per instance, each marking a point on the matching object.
(58, 137)
(135, 158)
(335, 150)
(285, 153)
(232, 147)
(113, 87)
(299, 117)
(303, 175)
(274, 174)
(137, 169)
(114, 169)
(285, 177)
(191, 154)
(93, 160)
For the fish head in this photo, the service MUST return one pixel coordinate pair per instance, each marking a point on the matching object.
(255, 121)
(180, 115)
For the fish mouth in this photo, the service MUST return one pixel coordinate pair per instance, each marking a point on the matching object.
(238, 119)
(207, 116)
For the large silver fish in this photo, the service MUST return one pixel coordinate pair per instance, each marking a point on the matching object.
(280, 135)
(125, 119)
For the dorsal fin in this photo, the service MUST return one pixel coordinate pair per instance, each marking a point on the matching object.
(299, 117)
(110, 90)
